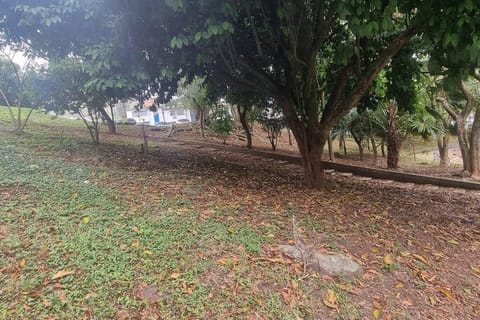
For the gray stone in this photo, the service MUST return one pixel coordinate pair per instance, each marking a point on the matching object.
(338, 265)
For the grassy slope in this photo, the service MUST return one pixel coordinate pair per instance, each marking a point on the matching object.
(85, 234)
(59, 216)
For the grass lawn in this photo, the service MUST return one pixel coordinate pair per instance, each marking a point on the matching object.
(102, 232)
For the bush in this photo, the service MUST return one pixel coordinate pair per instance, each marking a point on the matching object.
(222, 124)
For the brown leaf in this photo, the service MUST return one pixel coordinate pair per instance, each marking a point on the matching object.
(388, 260)
(330, 299)
(62, 274)
(447, 293)
(135, 243)
(175, 275)
(419, 257)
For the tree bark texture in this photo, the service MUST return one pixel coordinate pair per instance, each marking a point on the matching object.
(442, 143)
(393, 137)
(311, 142)
(475, 146)
(242, 112)
(331, 154)
(111, 124)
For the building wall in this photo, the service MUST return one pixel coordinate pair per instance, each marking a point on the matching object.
(165, 116)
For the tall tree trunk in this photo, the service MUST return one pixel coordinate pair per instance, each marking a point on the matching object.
(463, 143)
(242, 112)
(202, 116)
(393, 137)
(342, 144)
(111, 124)
(358, 141)
(311, 143)
(375, 151)
(331, 154)
(442, 143)
(475, 146)
(289, 137)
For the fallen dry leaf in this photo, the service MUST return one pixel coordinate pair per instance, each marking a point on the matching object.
(447, 293)
(62, 274)
(175, 275)
(377, 313)
(135, 243)
(330, 299)
(419, 257)
(388, 260)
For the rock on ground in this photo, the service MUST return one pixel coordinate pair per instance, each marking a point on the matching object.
(338, 265)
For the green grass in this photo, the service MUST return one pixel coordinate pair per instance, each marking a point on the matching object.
(58, 216)
(58, 219)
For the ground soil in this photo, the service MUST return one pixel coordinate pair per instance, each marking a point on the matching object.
(431, 234)
(419, 245)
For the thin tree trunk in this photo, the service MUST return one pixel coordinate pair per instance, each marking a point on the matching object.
(26, 119)
(393, 138)
(375, 152)
(145, 140)
(289, 136)
(111, 124)
(342, 144)
(10, 111)
(242, 112)
(463, 144)
(442, 143)
(358, 141)
(475, 146)
(202, 130)
(331, 154)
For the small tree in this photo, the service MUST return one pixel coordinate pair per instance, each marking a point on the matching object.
(272, 122)
(195, 95)
(460, 104)
(17, 88)
(222, 124)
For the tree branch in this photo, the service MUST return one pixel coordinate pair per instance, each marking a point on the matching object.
(368, 77)
(442, 98)
(470, 100)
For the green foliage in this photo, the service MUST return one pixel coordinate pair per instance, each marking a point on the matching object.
(194, 95)
(222, 123)
(403, 76)
(272, 121)
(9, 82)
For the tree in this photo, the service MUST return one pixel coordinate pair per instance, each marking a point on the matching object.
(195, 95)
(460, 108)
(272, 121)
(65, 86)
(17, 87)
(222, 124)
(245, 101)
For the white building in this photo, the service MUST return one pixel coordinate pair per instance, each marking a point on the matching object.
(163, 115)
